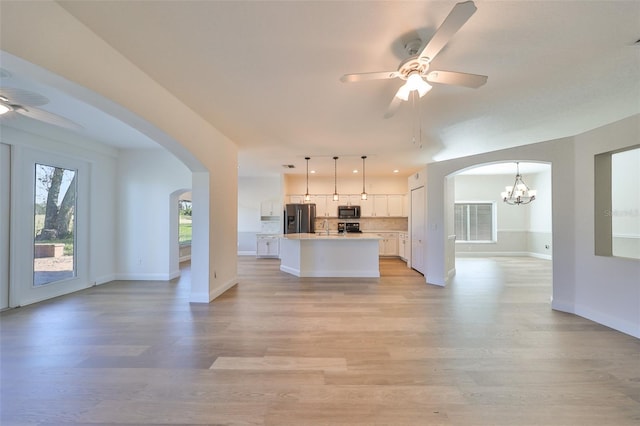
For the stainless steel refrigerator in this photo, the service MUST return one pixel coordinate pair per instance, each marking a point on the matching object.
(299, 218)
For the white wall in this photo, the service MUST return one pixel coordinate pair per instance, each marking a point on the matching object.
(297, 184)
(522, 229)
(607, 289)
(89, 69)
(603, 289)
(100, 223)
(625, 203)
(146, 180)
(252, 191)
(539, 237)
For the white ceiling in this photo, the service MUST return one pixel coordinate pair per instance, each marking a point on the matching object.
(267, 75)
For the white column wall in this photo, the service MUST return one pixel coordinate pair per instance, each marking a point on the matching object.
(603, 289)
(146, 180)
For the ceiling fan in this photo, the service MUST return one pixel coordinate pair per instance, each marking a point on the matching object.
(415, 69)
(23, 102)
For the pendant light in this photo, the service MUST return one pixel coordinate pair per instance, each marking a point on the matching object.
(363, 196)
(307, 197)
(519, 193)
(336, 197)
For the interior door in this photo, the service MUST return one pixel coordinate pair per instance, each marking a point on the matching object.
(418, 229)
(5, 184)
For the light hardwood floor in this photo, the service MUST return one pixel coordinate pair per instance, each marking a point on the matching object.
(280, 350)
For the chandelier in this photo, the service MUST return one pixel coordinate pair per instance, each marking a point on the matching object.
(519, 193)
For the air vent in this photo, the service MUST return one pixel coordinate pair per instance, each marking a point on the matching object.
(288, 166)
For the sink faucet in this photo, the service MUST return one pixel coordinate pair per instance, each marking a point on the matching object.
(326, 226)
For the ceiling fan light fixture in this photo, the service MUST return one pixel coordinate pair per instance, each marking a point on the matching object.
(4, 108)
(414, 82)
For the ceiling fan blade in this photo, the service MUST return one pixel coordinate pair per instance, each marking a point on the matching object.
(48, 117)
(458, 16)
(457, 78)
(365, 76)
(22, 97)
(393, 107)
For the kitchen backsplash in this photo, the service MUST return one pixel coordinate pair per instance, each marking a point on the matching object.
(368, 224)
(271, 227)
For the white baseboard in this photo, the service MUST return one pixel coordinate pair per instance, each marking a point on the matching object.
(142, 277)
(105, 279)
(221, 289)
(628, 327)
(174, 274)
(503, 253)
(541, 256)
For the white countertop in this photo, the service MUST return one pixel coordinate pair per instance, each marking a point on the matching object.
(333, 236)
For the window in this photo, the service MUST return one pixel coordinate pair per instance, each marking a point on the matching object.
(617, 203)
(474, 222)
(184, 226)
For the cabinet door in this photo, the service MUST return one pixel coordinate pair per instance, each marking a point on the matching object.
(321, 205)
(273, 247)
(379, 205)
(332, 206)
(395, 205)
(262, 248)
(354, 200)
(270, 208)
(366, 207)
(392, 244)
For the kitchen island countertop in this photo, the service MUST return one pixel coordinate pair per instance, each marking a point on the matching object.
(332, 236)
(332, 255)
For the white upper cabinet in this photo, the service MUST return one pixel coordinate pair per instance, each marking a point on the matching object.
(270, 208)
(366, 207)
(395, 205)
(379, 205)
(321, 203)
(296, 199)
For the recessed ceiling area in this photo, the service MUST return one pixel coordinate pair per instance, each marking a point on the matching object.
(267, 75)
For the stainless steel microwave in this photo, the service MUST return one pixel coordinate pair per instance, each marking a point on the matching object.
(349, 212)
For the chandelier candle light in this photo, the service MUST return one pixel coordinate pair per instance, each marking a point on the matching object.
(519, 193)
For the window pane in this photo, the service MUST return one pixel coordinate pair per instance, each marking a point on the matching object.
(625, 203)
(54, 220)
(184, 226)
(473, 221)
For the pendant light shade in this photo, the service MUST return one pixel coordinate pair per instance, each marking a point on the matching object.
(336, 197)
(307, 197)
(363, 196)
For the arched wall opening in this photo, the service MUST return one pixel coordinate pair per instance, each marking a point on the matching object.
(489, 226)
(200, 291)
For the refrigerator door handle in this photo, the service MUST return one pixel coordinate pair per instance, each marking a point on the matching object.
(299, 220)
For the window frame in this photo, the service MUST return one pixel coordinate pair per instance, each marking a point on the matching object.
(494, 221)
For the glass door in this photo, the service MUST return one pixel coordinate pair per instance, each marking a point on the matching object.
(54, 224)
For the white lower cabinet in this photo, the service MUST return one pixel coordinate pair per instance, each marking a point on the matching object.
(267, 246)
(402, 245)
(388, 243)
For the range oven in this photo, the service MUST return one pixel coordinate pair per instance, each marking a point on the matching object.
(349, 212)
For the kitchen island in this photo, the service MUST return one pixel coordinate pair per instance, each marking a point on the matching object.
(333, 255)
